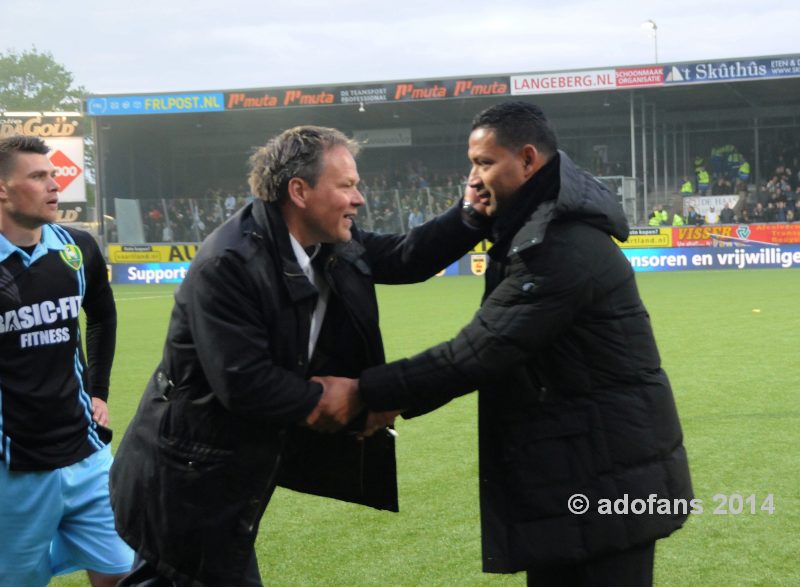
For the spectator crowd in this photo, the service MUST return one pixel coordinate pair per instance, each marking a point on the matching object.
(399, 200)
(395, 203)
(728, 172)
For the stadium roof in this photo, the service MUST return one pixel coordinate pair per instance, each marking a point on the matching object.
(736, 83)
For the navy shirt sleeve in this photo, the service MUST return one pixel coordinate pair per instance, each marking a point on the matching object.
(101, 317)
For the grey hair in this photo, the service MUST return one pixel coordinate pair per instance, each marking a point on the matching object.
(296, 152)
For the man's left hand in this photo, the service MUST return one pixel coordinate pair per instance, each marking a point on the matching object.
(100, 411)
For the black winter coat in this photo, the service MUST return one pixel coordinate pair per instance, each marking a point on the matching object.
(215, 430)
(572, 395)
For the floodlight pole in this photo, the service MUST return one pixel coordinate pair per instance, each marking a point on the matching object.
(655, 40)
(651, 24)
(99, 184)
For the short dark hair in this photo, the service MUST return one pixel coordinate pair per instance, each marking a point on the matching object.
(518, 123)
(296, 152)
(14, 144)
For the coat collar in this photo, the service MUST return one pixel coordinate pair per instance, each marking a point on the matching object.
(578, 195)
(271, 227)
(525, 222)
(583, 197)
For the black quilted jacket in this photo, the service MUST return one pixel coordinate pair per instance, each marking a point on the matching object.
(572, 395)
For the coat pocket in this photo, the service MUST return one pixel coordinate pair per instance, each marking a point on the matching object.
(198, 482)
(550, 453)
(191, 455)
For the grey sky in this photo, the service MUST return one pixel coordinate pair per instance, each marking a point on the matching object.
(149, 46)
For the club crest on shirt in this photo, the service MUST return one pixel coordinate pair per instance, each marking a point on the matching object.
(72, 256)
(477, 263)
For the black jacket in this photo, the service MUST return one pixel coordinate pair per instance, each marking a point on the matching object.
(572, 395)
(727, 216)
(215, 431)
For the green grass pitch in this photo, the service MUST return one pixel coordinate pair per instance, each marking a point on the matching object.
(729, 341)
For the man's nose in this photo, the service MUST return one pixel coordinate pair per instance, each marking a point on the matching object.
(358, 199)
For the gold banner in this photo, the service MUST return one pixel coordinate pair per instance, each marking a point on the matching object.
(42, 126)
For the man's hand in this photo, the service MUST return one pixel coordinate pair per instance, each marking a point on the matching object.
(100, 411)
(474, 208)
(338, 405)
(377, 421)
(471, 195)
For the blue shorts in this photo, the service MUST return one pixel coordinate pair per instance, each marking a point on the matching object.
(56, 522)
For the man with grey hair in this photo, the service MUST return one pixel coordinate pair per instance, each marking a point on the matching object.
(282, 291)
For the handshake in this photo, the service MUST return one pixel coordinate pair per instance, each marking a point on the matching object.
(339, 404)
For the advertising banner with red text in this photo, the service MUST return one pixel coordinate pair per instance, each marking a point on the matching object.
(364, 95)
(561, 82)
(731, 235)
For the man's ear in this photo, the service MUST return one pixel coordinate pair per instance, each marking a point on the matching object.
(297, 190)
(532, 160)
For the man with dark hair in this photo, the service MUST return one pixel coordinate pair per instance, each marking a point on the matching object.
(282, 291)
(55, 515)
(573, 400)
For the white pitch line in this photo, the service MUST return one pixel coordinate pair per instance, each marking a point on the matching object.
(142, 298)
